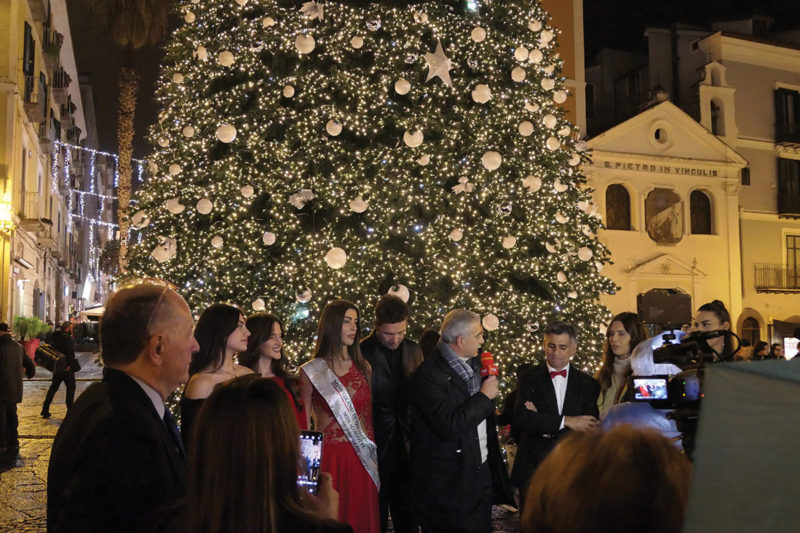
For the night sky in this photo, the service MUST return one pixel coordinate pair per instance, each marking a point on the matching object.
(614, 23)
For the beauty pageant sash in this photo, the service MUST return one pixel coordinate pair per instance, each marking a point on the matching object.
(337, 398)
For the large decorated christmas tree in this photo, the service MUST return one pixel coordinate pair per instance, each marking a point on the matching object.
(308, 151)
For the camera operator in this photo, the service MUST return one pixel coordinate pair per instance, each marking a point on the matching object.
(713, 316)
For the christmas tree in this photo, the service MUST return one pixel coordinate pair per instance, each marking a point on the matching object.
(308, 151)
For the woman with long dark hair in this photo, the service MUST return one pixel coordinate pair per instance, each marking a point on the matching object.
(221, 334)
(622, 336)
(264, 356)
(714, 316)
(348, 451)
(243, 469)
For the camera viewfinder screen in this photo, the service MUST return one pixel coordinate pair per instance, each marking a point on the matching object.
(311, 451)
(650, 388)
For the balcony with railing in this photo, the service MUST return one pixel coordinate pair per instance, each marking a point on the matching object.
(31, 212)
(33, 107)
(51, 47)
(776, 278)
(60, 82)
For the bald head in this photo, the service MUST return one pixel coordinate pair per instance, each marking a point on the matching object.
(132, 315)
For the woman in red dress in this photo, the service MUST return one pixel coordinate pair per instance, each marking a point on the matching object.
(348, 450)
(264, 355)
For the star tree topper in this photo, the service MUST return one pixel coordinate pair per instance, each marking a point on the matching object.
(439, 65)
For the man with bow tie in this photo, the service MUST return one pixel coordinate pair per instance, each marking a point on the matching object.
(552, 399)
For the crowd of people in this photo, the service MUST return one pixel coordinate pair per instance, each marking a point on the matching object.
(409, 429)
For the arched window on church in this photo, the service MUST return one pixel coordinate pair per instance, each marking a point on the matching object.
(618, 208)
(700, 207)
(751, 330)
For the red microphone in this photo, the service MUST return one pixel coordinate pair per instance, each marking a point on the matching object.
(488, 368)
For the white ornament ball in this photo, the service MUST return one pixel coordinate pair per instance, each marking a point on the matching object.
(174, 206)
(201, 53)
(560, 96)
(268, 238)
(336, 258)
(303, 295)
(204, 206)
(402, 86)
(174, 169)
(525, 128)
(481, 93)
(259, 304)
(575, 160)
(163, 142)
(217, 241)
(288, 91)
(564, 131)
(533, 107)
(195, 1)
(560, 186)
(518, 74)
(413, 138)
(401, 291)
(585, 253)
(548, 84)
(333, 128)
(456, 235)
(478, 34)
(490, 322)
(305, 44)
(268, 22)
(561, 277)
(241, 2)
(188, 132)
(177, 78)
(509, 242)
(226, 58)
(226, 133)
(561, 218)
(599, 266)
(534, 183)
(140, 220)
(546, 36)
(491, 160)
(189, 17)
(548, 69)
(247, 191)
(424, 160)
(160, 254)
(553, 143)
(535, 25)
(536, 55)
(521, 53)
(357, 42)
(358, 204)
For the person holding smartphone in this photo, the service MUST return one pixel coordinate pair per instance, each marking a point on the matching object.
(335, 384)
(243, 470)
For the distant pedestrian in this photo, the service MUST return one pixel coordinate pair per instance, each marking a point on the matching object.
(118, 458)
(62, 342)
(12, 360)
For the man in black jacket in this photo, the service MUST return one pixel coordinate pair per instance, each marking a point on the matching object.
(552, 398)
(62, 342)
(457, 467)
(117, 458)
(393, 359)
(12, 360)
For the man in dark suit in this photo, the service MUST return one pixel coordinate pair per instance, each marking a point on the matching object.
(117, 457)
(12, 360)
(552, 399)
(458, 471)
(393, 359)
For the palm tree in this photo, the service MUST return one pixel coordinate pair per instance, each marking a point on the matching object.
(133, 24)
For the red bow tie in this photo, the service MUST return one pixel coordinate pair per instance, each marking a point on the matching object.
(554, 373)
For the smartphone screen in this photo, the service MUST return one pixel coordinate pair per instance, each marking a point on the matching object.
(311, 452)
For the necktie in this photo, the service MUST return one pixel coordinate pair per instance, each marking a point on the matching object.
(562, 373)
(173, 431)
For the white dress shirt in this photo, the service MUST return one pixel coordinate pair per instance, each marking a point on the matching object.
(560, 385)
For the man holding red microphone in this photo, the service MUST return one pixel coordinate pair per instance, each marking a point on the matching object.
(458, 471)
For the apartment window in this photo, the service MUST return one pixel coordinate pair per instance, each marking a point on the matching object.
(29, 51)
(788, 188)
(700, 207)
(751, 330)
(746, 176)
(787, 115)
(618, 208)
(793, 260)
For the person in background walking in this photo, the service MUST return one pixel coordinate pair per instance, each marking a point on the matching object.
(62, 341)
(12, 360)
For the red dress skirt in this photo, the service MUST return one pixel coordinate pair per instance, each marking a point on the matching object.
(358, 495)
(299, 415)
